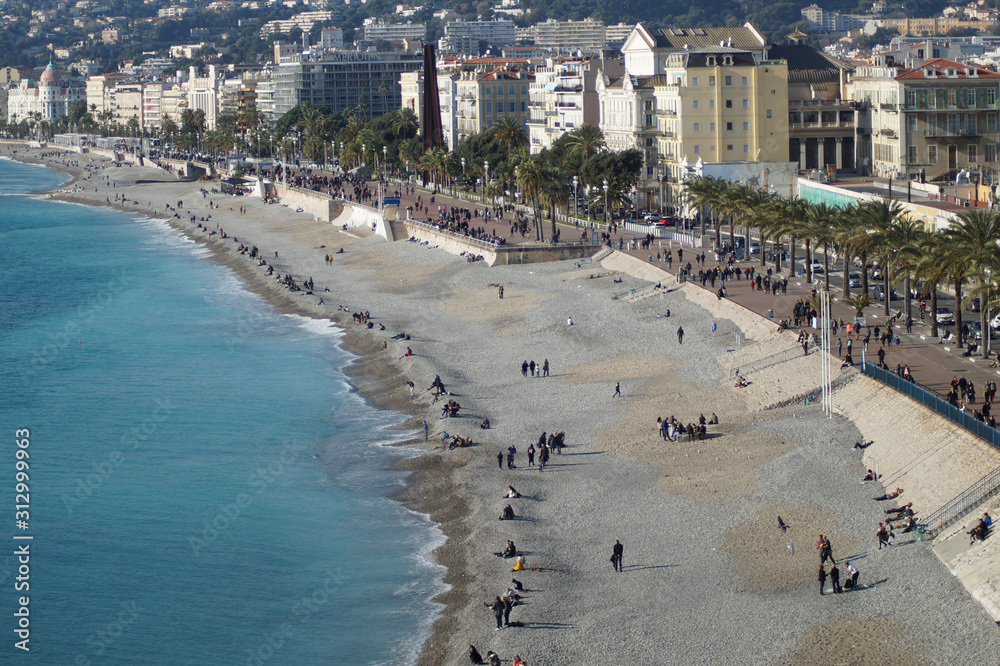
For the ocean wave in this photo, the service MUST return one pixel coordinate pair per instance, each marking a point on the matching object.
(323, 327)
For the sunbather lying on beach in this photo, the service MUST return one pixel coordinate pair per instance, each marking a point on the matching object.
(893, 495)
(899, 509)
(511, 493)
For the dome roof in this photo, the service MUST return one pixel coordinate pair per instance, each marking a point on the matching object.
(49, 76)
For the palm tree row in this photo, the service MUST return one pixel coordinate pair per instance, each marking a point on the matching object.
(877, 235)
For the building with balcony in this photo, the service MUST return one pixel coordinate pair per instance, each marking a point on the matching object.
(821, 119)
(49, 100)
(465, 36)
(716, 104)
(564, 96)
(339, 80)
(586, 36)
(394, 31)
(926, 122)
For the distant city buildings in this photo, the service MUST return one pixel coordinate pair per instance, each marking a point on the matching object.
(49, 99)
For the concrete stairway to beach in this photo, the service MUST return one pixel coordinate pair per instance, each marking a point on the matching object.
(976, 565)
(398, 230)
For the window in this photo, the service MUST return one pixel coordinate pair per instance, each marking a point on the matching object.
(711, 103)
(729, 127)
(746, 127)
(973, 153)
(970, 98)
(991, 98)
(649, 119)
(769, 113)
(489, 107)
(697, 127)
(712, 149)
(952, 123)
(951, 98)
(991, 122)
(694, 80)
(729, 80)
(911, 154)
(746, 104)
(524, 90)
(697, 150)
(489, 92)
(932, 125)
(729, 103)
(911, 123)
(694, 104)
(510, 91)
(746, 147)
(711, 80)
(524, 107)
(745, 82)
(970, 124)
(649, 141)
(932, 154)
(512, 107)
(911, 98)
(729, 146)
(990, 153)
(711, 127)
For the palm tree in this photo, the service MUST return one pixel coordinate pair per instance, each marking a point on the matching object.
(905, 237)
(585, 140)
(404, 123)
(707, 193)
(531, 178)
(555, 192)
(880, 217)
(509, 132)
(971, 252)
(933, 270)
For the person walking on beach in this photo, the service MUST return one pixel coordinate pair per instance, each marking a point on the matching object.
(825, 550)
(616, 556)
(500, 459)
(545, 368)
(501, 292)
(680, 335)
(531, 455)
(835, 579)
(618, 390)
(531, 368)
(715, 329)
(524, 369)
(822, 579)
(852, 576)
(426, 430)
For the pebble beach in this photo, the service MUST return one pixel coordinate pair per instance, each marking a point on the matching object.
(709, 578)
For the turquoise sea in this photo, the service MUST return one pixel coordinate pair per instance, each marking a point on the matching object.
(205, 485)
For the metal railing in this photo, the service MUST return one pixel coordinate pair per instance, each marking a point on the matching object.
(767, 361)
(963, 504)
(930, 399)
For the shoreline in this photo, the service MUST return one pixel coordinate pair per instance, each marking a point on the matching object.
(458, 490)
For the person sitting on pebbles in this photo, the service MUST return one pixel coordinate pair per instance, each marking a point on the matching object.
(508, 513)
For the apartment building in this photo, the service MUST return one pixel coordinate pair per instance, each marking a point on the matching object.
(928, 121)
(465, 36)
(564, 96)
(714, 104)
(586, 36)
(339, 80)
(935, 26)
(394, 31)
(303, 21)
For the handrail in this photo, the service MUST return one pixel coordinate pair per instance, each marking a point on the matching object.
(963, 503)
(767, 361)
(930, 399)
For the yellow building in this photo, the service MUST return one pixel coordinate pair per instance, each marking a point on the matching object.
(938, 25)
(718, 104)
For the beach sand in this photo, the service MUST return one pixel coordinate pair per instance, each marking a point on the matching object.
(709, 578)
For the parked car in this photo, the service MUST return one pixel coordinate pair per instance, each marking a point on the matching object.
(854, 280)
(945, 316)
(754, 247)
(995, 322)
(977, 329)
(817, 268)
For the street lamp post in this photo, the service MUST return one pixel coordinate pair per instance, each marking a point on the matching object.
(576, 198)
(606, 217)
(486, 180)
(462, 179)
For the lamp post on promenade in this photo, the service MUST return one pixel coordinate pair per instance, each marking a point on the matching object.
(606, 217)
